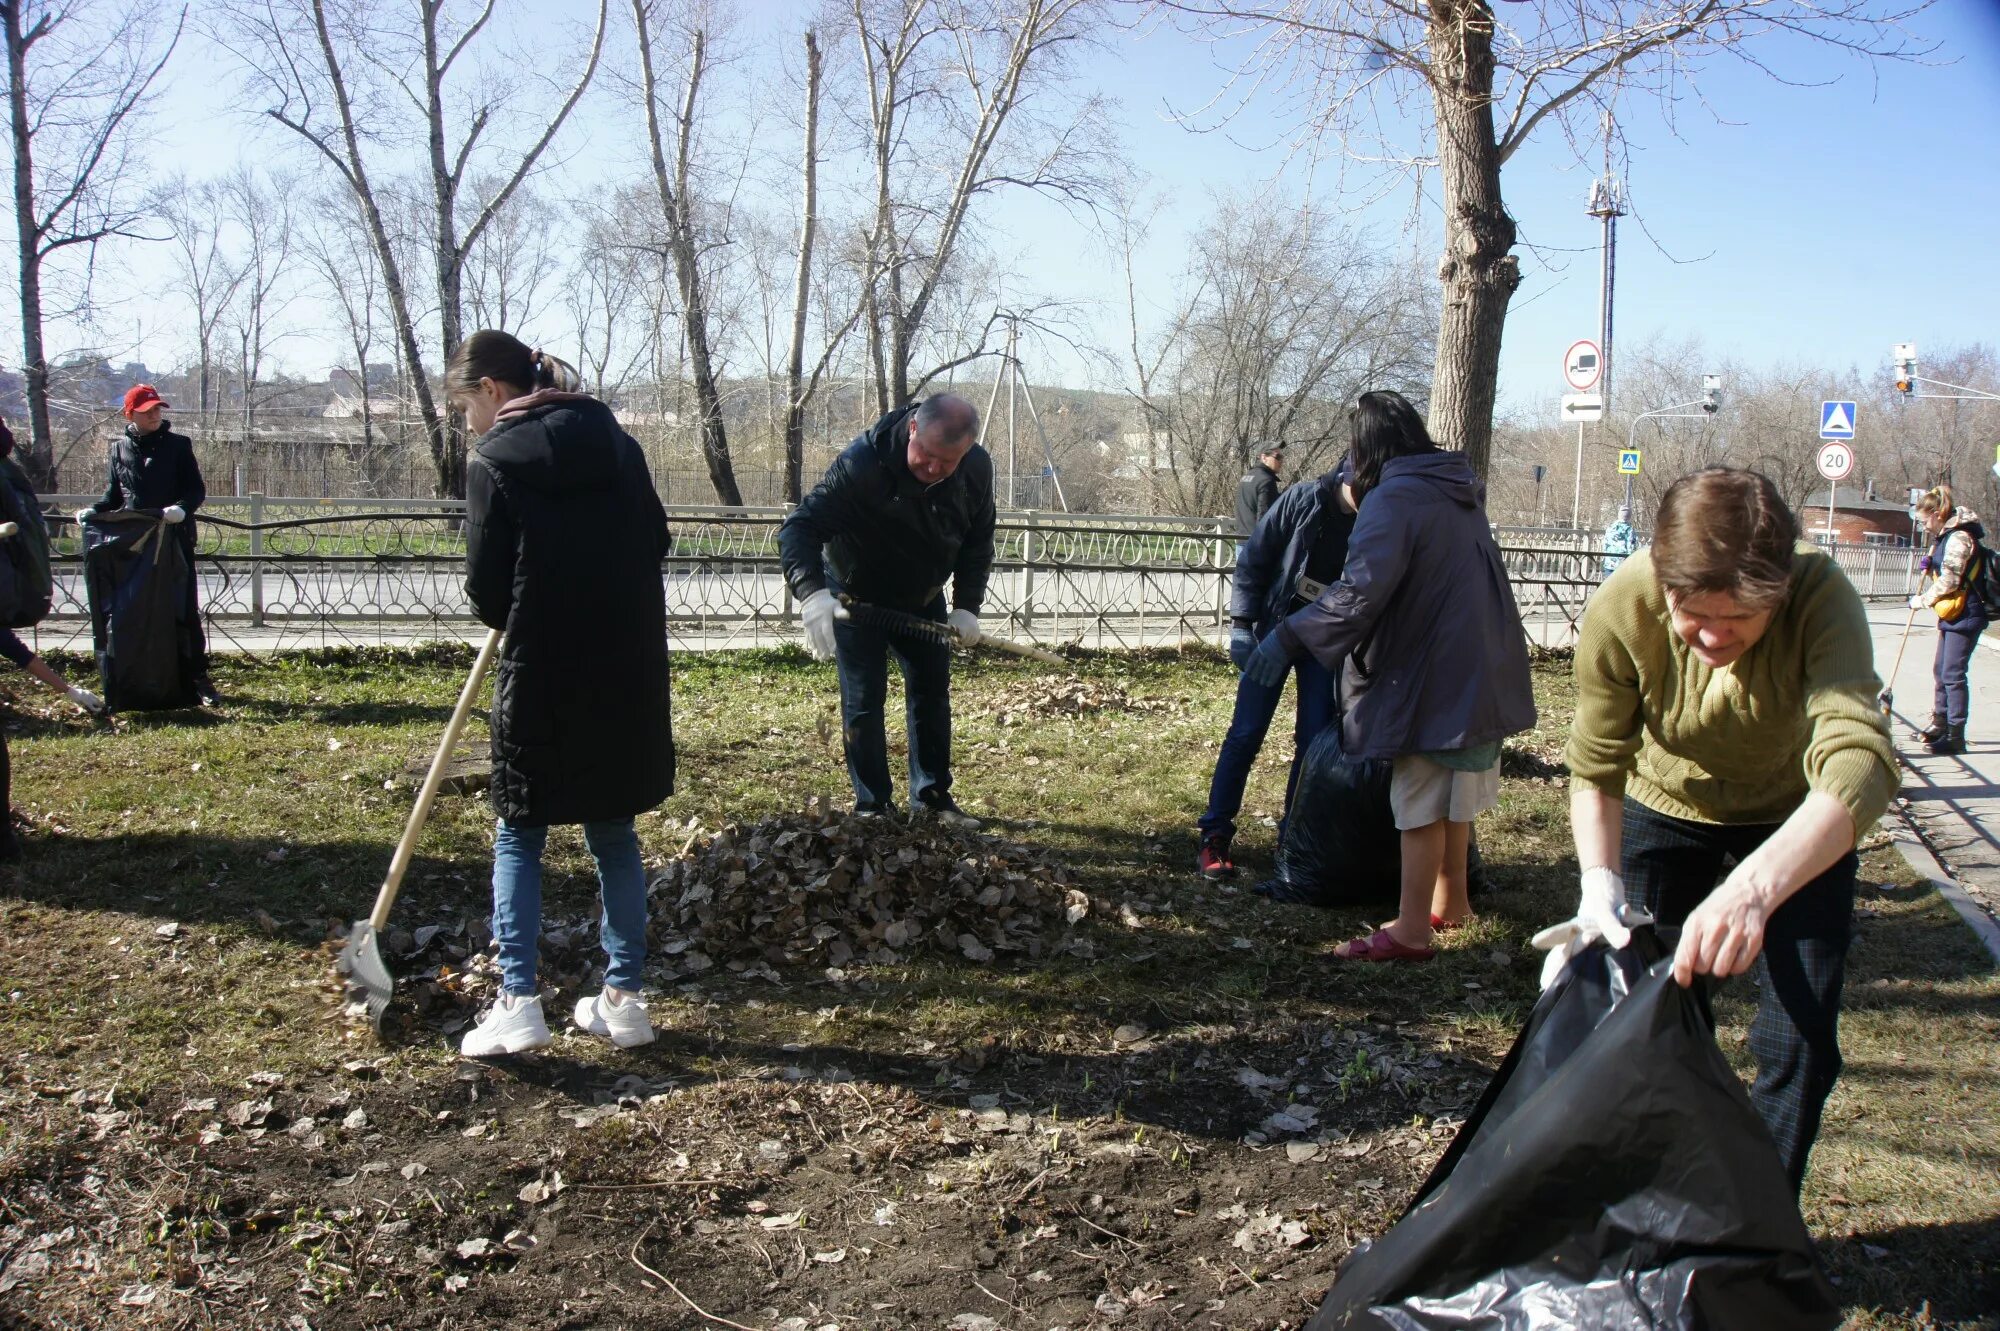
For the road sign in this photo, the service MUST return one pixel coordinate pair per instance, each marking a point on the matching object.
(1836, 421)
(1628, 461)
(1582, 364)
(1579, 407)
(1836, 460)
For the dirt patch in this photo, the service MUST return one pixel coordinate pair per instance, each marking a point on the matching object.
(1045, 698)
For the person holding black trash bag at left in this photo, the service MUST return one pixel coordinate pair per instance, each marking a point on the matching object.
(1726, 712)
(1296, 551)
(563, 543)
(153, 467)
(905, 507)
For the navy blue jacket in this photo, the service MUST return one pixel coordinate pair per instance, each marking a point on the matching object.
(1977, 614)
(888, 538)
(1425, 610)
(1268, 568)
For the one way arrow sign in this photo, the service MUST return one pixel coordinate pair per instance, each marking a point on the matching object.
(1580, 407)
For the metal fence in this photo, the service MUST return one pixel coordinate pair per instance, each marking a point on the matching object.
(291, 572)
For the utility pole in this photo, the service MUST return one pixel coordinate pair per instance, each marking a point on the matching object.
(1607, 205)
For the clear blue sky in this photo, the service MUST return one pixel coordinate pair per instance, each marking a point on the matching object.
(1829, 221)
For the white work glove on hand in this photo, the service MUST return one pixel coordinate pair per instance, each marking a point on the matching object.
(174, 513)
(967, 625)
(1602, 913)
(1917, 602)
(818, 614)
(84, 515)
(84, 698)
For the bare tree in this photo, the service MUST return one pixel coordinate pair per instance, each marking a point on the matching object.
(608, 297)
(954, 91)
(338, 251)
(262, 211)
(1282, 318)
(78, 79)
(206, 275)
(349, 80)
(1481, 88)
(508, 272)
(671, 138)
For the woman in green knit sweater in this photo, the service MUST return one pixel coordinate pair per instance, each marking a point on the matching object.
(1726, 712)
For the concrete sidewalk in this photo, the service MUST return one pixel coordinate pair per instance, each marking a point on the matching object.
(1953, 803)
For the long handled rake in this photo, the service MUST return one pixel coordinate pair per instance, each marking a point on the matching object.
(1887, 697)
(897, 621)
(361, 960)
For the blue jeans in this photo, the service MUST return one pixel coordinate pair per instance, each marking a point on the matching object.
(861, 658)
(1255, 706)
(1953, 661)
(517, 901)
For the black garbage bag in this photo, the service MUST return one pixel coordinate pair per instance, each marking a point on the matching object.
(1614, 1176)
(1341, 847)
(136, 575)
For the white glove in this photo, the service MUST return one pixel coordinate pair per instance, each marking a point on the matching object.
(1601, 914)
(174, 513)
(84, 515)
(84, 698)
(818, 614)
(1917, 602)
(967, 625)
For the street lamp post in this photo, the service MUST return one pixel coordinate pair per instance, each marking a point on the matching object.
(1709, 401)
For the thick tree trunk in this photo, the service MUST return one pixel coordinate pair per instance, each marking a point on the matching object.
(38, 459)
(795, 363)
(447, 439)
(1478, 271)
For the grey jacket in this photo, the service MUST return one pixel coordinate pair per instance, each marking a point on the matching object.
(1425, 611)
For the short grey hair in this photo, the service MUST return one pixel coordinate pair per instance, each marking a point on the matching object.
(948, 420)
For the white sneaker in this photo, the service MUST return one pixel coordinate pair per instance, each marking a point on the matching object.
(623, 1020)
(513, 1025)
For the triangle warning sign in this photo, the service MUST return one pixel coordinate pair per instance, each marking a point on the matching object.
(1837, 420)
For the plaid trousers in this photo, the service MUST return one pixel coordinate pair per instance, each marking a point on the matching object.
(1669, 866)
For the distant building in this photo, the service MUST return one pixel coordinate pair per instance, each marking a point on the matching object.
(1860, 517)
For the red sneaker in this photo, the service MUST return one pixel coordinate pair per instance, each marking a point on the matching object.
(1212, 860)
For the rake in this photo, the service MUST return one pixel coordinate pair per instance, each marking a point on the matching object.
(361, 960)
(897, 621)
(1887, 697)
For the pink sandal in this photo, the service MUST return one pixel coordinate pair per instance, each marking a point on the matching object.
(1382, 946)
(1439, 924)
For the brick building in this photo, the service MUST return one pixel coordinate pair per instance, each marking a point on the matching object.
(1860, 517)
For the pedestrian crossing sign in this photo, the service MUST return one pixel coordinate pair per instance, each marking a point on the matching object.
(1628, 461)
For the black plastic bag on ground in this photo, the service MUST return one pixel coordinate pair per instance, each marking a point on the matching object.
(1614, 1176)
(136, 574)
(1341, 847)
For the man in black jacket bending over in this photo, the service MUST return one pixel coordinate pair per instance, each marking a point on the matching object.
(904, 507)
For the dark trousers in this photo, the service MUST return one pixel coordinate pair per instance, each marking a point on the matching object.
(861, 658)
(1256, 704)
(1954, 659)
(197, 636)
(1670, 865)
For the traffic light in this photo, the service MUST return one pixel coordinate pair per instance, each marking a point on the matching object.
(1905, 356)
(1711, 393)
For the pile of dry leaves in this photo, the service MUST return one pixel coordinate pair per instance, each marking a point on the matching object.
(1058, 696)
(834, 889)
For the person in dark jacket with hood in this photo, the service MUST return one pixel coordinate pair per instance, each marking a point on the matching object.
(1953, 594)
(1439, 668)
(904, 507)
(153, 467)
(564, 538)
(1258, 489)
(1296, 551)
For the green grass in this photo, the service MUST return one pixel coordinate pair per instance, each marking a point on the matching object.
(262, 829)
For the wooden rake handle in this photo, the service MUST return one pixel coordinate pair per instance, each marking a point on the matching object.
(399, 864)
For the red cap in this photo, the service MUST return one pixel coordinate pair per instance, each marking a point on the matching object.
(142, 397)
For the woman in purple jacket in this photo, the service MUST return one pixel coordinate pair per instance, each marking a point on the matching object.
(1435, 663)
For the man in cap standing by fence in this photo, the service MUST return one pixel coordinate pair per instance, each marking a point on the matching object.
(153, 467)
(905, 506)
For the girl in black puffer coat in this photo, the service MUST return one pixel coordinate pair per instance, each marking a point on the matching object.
(564, 539)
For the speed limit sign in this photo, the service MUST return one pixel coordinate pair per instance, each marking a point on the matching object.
(1836, 460)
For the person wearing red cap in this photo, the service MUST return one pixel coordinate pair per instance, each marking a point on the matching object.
(153, 467)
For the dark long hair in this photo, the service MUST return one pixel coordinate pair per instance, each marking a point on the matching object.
(1383, 425)
(505, 359)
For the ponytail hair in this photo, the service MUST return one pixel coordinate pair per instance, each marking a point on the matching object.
(1937, 499)
(506, 359)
